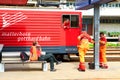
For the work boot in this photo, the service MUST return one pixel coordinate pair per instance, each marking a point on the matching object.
(81, 67)
(53, 70)
(103, 66)
(59, 62)
(81, 70)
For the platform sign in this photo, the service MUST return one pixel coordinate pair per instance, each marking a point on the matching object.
(81, 4)
(100, 1)
(94, 1)
(105, 1)
(87, 4)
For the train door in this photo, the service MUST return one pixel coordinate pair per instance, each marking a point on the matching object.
(71, 28)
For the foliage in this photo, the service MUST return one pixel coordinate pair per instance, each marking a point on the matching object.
(105, 32)
(113, 34)
(109, 44)
(91, 45)
(113, 44)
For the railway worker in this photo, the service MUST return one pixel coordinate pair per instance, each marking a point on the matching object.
(83, 46)
(66, 23)
(102, 58)
(35, 54)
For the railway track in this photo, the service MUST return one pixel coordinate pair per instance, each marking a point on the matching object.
(112, 55)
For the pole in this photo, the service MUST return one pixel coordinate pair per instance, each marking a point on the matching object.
(96, 35)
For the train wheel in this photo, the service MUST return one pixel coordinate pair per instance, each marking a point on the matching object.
(59, 57)
(66, 57)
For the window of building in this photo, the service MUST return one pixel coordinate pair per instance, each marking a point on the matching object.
(110, 21)
(116, 5)
(111, 5)
(119, 4)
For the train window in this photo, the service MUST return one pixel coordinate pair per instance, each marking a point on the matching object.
(74, 21)
(66, 21)
(65, 17)
(70, 20)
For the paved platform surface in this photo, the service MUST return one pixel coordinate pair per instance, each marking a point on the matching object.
(65, 71)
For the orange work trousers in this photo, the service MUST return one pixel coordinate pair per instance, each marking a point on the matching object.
(82, 53)
(102, 57)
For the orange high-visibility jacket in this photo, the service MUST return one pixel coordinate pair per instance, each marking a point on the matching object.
(34, 53)
(103, 42)
(83, 41)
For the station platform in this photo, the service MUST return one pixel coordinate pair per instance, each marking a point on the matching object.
(65, 71)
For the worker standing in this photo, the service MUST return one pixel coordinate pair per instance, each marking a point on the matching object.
(103, 60)
(83, 46)
(66, 24)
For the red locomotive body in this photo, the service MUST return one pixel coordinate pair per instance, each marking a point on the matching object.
(19, 27)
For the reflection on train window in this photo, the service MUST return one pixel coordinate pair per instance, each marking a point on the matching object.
(74, 21)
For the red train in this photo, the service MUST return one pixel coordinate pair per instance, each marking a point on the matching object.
(19, 27)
